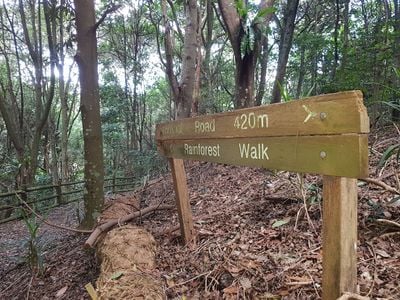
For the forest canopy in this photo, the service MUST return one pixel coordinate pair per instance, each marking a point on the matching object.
(160, 60)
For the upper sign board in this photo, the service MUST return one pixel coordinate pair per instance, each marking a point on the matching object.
(326, 114)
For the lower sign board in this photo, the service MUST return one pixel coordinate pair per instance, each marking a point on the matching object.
(336, 155)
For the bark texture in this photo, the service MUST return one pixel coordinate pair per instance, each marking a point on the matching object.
(285, 45)
(396, 54)
(183, 89)
(86, 57)
(245, 61)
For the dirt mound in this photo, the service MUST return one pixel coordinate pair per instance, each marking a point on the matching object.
(132, 285)
(127, 257)
(118, 206)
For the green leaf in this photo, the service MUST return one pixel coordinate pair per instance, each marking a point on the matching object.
(241, 8)
(308, 94)
(265, 11)
(388, 153)
(116, 275)
(280, 223)
(396, 71)
(284, 93)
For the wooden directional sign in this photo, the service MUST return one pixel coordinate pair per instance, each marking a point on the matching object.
(324, 134)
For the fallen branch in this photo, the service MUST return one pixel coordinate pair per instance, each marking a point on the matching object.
(352, 296)
(147, 184)
(388, 222)
(41, 218)
(190, 280)
(381, 184)
(91, 241)
(300, 283)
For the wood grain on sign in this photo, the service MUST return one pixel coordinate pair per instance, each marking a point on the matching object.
(325, 114)
(339, 240)
(336, 155)
(182, 199)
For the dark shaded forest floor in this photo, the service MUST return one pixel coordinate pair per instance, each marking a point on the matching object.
(253, 241)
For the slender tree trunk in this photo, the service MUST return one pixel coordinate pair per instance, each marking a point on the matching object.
(263, 73)
(285, 45)
(33, 40)
(315, 54)
(396, 58)
(197, 77)
(6, 109)
(86, 58)
(345, 34)
(336, 39)
(207, 83)
(365, 20)
(183, 90)
(53, 155)
(21, 113)
(301, 72)
(190, 47)
(64, 103)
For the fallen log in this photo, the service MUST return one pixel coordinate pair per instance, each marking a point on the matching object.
(91, 241)
(127, 271)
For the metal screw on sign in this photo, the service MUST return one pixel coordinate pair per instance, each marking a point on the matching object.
(323, 116)
(322, 154)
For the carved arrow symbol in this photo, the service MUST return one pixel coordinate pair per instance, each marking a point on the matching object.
(310, 114)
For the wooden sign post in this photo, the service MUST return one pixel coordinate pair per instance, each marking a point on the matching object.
(325, 134)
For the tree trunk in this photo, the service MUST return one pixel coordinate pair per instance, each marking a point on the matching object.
(396, 58)
(335, 41)
(244, 80)
(64, 102)
(86, 58)
(285, 45)
(301, 72)
(182, 91)
(346, 31)
(190, 47)
(263, 73)
(245, 62)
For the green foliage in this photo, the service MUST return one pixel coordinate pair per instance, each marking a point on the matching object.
(241, 8)
(280, 223)
(42, 177)
(263, 12)
(284, 93)
(248, 41)
(315, 195)
(148, 164)
(34, 256)
(389, 152)
(252, 25)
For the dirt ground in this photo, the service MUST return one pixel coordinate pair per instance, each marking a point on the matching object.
(253, 240)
